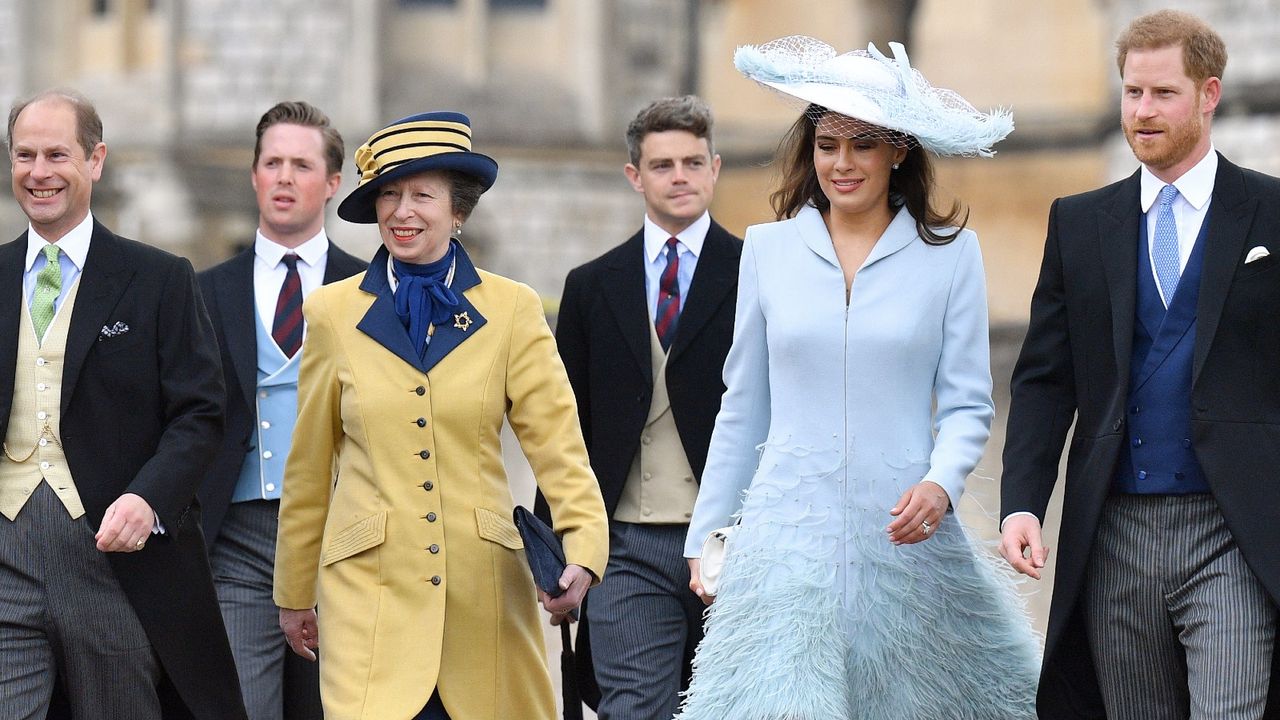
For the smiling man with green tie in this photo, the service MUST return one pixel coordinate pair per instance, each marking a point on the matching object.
(110, 405)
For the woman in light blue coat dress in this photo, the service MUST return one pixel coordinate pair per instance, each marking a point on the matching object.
(859, 399)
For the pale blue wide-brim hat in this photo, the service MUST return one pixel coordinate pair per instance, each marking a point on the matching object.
(867, 86)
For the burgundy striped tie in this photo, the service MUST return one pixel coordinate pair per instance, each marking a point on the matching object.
(287, 328)
(668, 312)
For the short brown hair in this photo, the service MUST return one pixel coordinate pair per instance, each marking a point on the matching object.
(88, 124)
(464, 192)
(687, 112)
(298, 112)
(1204, 54)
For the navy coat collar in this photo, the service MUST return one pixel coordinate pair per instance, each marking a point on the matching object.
(382, 324)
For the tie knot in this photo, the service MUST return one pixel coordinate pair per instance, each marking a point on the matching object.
(1168, 194)
(51, 252)
(671, 244)
(290, 260)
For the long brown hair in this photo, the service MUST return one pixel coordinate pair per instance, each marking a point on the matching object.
(911, 184)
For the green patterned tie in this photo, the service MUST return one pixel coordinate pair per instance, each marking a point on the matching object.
(48, 287)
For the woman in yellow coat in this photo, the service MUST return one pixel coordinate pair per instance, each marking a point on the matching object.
(396, 514)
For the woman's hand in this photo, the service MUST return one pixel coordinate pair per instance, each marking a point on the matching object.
(695, 581)
(919, 512)
(574, 581)
(300, 631)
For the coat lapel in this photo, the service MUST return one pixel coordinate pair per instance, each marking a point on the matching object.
(381, 323)
(466, 319)
(1118, 239)
(102, 281)
(716, 273)
(240, 320)
(624, 293)
(1229, 223)
(12, 303)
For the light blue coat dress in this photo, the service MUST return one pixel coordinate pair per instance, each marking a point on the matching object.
(833, 411)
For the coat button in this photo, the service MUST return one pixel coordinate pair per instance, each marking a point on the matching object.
(435, 580)
(1118, 424)
(422, 422)
(420, 390)
(424, 454)
(428, 485)
(431, 517)
(434, 549)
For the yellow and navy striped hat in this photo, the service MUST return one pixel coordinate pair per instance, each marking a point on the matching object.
(418, 143)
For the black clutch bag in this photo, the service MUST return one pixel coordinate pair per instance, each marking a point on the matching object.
(542, 549)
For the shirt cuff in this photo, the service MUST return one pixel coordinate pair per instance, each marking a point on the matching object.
(157, 527)
(1015, 514)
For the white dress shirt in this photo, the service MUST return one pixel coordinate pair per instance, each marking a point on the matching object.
(1195, 189)
(688, 248)
(75, 248)
(269, 271)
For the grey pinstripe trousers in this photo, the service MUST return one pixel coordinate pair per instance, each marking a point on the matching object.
(645, 622)
(63, 613)
(1180, 627)
(275, 682)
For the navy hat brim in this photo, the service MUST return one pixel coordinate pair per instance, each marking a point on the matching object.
(358, 207)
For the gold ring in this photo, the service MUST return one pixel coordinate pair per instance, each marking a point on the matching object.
(141, 542)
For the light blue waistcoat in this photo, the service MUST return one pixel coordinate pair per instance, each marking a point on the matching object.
(262, 475)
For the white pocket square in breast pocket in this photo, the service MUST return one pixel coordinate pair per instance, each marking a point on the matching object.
(1256, 253)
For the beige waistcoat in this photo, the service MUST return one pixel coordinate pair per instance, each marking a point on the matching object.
(660, 488)
(33, 443)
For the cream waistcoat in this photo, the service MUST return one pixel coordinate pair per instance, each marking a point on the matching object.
(660, 488)
(33, 443)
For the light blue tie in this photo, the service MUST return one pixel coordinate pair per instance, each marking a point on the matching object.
(1164, 251)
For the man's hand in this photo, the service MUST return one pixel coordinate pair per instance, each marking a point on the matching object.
(127, 524)
(1022, 533)
(301, 631)
(574, 581)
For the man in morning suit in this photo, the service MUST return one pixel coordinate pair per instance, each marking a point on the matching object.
(644, 330)
(255, 302)
(112, 406)
(1153, 326)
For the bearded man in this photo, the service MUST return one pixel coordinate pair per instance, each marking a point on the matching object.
(1153, 328)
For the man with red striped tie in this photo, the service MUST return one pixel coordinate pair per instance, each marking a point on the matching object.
(255, 302)
(644, 330)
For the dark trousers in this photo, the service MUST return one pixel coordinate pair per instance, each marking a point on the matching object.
(1179, 626)
(434, 709)
(64, 615)
(645, 623)
(276, 683)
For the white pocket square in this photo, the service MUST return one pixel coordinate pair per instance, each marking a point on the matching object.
(1256, 253)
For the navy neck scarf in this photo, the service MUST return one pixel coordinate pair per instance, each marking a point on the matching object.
(422, 298)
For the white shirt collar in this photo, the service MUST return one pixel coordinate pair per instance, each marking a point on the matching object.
(691, 237)
(1195, 185)
(311, 252)
(75, 244)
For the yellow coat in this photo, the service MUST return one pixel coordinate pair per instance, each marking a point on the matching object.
(396, 513)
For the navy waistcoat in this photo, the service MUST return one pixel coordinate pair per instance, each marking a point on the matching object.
(1158, 457)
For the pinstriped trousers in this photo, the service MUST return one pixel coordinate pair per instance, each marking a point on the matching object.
(63, 613)
(1180, 627)
(276, 683)
(645, 622)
